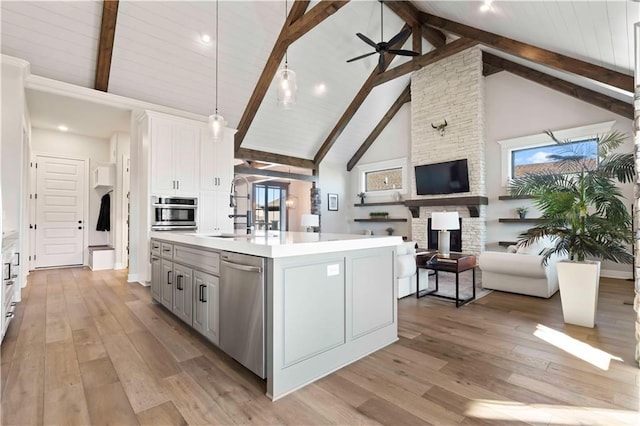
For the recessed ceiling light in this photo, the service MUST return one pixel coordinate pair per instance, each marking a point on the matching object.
(63, 128)
(487, 6)
(205, 38)
(320, 89)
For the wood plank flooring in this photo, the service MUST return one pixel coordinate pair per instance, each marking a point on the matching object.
(89, 348)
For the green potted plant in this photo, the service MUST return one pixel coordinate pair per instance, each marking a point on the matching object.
(522, 212)
(362, 196)
(389, 231)
(584, 214)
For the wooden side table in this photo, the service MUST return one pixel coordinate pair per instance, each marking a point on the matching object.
(455, 263)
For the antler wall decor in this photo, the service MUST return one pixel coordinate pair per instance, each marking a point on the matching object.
(440, 127)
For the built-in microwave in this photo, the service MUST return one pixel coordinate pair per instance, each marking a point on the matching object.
(174, 213)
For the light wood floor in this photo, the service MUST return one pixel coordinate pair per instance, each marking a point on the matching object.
(88, 348)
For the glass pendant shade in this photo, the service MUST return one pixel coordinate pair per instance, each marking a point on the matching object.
(291, 202)
(287, 88)
(216, 125)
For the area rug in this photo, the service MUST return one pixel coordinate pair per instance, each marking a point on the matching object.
(447, 285)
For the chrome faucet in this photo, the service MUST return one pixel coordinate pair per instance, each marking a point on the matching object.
(233, 203)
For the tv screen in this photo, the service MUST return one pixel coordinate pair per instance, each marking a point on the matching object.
(442, 178)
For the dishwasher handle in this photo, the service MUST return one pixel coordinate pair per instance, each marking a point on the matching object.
(246, 268)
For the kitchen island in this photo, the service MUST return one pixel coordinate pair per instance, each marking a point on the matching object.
(322, 300)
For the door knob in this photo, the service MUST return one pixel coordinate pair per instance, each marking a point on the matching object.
(79, 227)
(79, 221)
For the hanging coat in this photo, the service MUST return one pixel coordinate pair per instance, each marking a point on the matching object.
(104, 219)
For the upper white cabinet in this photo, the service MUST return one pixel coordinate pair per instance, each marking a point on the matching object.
(216, 162)
(175, 150)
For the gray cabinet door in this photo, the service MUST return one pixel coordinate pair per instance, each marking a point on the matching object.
(183, 292)
(167, 284)
(156, 278)
(206, 301)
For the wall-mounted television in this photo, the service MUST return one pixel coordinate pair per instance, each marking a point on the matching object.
(442, 178)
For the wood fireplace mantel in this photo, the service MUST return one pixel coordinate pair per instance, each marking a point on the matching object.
(472, 203)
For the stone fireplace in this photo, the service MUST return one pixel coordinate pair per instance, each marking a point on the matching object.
(451, 89)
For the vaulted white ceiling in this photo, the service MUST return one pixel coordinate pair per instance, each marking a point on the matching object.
(158, 56)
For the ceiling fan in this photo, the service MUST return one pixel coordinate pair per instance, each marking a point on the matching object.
(384, 47)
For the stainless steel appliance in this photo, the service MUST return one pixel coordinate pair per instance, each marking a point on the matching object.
(174, 213)
(242, 310)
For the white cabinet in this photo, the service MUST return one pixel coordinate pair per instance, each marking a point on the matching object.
(206, 305)
(214, 211)
(175, 151)
(216, 162)
(103, 175)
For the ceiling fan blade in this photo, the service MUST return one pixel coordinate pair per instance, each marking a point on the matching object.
(399, 36)
(367, 40)
(381, 62)
(361, 56)
(403, 52)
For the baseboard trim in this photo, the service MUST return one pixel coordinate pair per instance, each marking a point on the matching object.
(119, 266)
(612, 273)
(132, 278)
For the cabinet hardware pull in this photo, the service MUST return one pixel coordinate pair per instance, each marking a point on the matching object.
(9, 283)
(204, 287)
(178, 282)
(8, 271)
(18, 254)
(14, 303)
(169, 277)
(10, 315)
(178, 184)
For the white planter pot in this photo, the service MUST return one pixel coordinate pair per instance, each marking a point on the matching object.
(579, 283)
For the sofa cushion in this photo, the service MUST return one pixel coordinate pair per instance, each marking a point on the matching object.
(536, 247)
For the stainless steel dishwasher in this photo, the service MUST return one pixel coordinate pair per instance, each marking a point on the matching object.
(242, 310)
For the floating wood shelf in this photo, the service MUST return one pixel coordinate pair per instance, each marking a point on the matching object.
(472, 203)
(390, 219)
(507, 243)
(386, 203)
(518, 220)
(515, 197)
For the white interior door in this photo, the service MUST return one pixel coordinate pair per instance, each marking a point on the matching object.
(60, 223)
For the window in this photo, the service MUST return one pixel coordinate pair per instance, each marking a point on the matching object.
(384, 177)
(382, 180)
(547, 158)
(528, 154)
(269, 210)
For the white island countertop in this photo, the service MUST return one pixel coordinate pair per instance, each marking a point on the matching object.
(274, 244)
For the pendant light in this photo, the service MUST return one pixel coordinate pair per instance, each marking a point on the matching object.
(287, 85)
(216, 121)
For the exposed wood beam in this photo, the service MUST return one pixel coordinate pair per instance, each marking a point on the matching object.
(268, 72)
(594, 98)
(416, 32)
(355, 104)
(105, 43)
(274, 173)
(404, 97)
(410, 14)
(316, 15)
(488, 69)
(297, 24)
(533, 53)
(424, 60)
(270, 157)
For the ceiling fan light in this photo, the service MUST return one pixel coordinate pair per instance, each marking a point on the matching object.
(216, 125)
(287, 88)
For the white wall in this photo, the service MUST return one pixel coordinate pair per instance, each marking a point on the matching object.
(301, 190)
(79, 146)
(517, 107)
(334, 178)
(393, 142)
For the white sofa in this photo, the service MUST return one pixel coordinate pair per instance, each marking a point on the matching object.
(406, 270)
(521, 272)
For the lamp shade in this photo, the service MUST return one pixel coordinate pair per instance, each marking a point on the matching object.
(310, 220)
(445, 221)
(216, 126)
(287, 87)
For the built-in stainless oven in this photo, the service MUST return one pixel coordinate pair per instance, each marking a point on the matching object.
(174, 213)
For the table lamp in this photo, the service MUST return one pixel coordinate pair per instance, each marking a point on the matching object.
(310, 221)
(444, 222)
